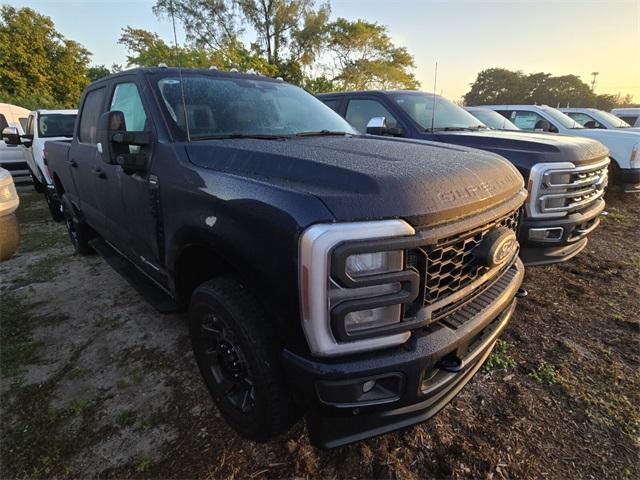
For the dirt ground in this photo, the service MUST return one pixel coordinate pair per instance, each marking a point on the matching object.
(95, 383)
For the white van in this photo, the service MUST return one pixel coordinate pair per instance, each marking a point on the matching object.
(11, 156)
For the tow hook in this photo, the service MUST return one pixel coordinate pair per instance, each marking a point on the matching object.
(521, 293)
(450, 363)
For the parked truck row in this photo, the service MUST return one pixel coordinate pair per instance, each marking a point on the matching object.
(353, 264)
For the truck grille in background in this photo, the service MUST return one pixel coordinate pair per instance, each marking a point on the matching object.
(572, 190)
(450, 264)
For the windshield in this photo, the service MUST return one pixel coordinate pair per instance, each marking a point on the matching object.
(56, 125)
(447, 115)
(493, 119)
(614, 121)
(565, 120)
(218, 107)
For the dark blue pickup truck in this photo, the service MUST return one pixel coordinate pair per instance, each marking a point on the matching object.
(354, 279)
(566, 176)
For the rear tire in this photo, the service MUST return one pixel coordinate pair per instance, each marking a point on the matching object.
(79, 232)
(239, 358)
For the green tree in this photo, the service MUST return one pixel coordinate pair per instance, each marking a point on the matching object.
(366, 58)
(38, 66)
(502, 86)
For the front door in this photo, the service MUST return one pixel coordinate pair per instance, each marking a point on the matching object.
(133, 204)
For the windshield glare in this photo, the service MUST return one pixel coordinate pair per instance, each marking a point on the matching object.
(565, 120)
(56, 125)
(448, 115)
(493, 119)
(217, 107)
(613, 120)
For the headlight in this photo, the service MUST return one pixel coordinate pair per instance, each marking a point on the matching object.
(372, 318)
(373, 263)
(8, 196)
(351, 289)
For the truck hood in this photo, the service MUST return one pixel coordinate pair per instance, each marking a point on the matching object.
(367, 178)
(540, 147)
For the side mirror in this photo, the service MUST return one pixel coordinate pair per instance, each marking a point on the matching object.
(378, 126)
(27, 140)
(11, 136)
(114, 141)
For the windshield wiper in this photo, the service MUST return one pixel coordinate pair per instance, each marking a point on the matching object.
(323, 133)
(226, 136)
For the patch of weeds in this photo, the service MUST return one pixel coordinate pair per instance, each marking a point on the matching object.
(17, 348)
(33, 208)
(499, 360)
(44, 270)
(143, 464)
(126, 418)
(77, 373)
(122, 384)
(636, 263)
(108, 321)
(545, 373)
(47, 236)
(615, 216)
(619, 317)
(77, 407)
(151, 421)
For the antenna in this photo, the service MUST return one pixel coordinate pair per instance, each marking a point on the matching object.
(435, 83)
(175, 42)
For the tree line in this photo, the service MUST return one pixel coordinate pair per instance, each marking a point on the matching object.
(292, 39)
(506, 87)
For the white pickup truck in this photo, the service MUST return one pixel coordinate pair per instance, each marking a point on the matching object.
(14, 118)
(43, 125)
(594, 118)
(624, 146)
(629, 115)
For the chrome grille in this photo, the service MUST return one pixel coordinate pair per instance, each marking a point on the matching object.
(450, 264)
(571, 189)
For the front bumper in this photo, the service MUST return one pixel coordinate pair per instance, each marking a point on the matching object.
(419, 378)
(629, 178)
(568, 236)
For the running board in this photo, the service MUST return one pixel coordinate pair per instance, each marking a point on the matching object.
(148, 289)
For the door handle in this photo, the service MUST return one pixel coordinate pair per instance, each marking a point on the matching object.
(73, 163)
(99, 173)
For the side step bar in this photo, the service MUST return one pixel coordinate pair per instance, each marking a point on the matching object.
(151, 292)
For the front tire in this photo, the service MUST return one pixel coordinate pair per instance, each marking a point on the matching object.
(239, 358)
(37, 185)
(55, 207)
(79, 232)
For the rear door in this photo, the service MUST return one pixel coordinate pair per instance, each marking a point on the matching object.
(85, 162)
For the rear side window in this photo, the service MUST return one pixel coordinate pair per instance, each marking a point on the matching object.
(56, 125)
(332, 104)
(91, 110)
(630, 120)
(3, 122)
(126, 99)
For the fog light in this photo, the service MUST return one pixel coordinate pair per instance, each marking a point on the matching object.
(375, 317)
(368, 386)
(553, 234)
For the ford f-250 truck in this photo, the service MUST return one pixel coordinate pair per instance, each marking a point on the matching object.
(357, 280)
(566, 177)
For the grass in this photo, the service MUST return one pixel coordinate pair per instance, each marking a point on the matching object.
(17, 348)
(44, 270)
(546, 374)
(43, 238)
(143, 464)
(636, 263)
(499, 360)
(126, 418)
(615, 216)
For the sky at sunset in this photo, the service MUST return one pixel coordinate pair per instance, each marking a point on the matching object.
(464, 37)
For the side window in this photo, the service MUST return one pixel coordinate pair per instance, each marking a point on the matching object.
(585, 120)
(3, 122)
(359, 112)
(332, 104)
(126, 99)
(23, 123)
(91, 110)
(630, 120)
(531, 121)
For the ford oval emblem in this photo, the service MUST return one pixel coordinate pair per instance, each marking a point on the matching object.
(496, 247)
